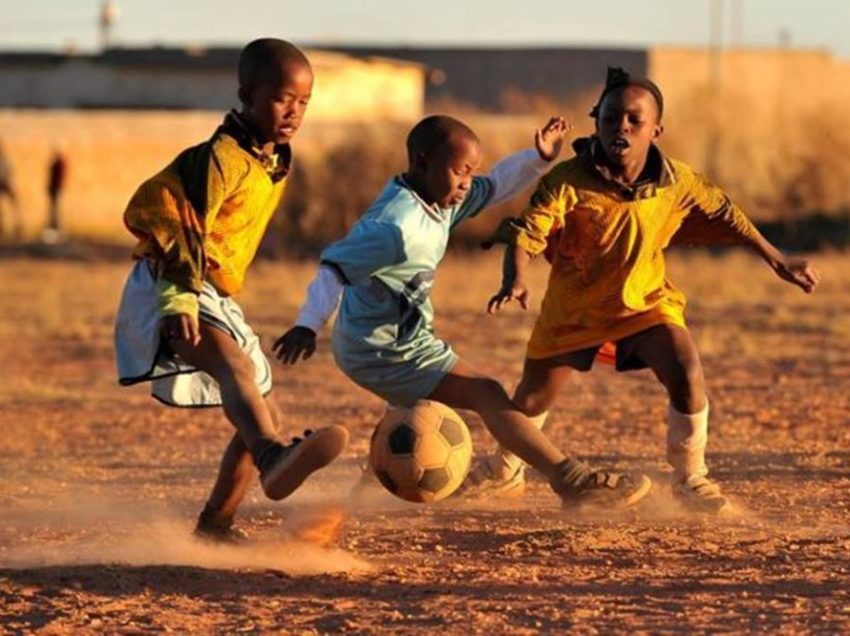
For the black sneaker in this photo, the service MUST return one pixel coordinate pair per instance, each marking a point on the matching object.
(214, 529)
(284, 468)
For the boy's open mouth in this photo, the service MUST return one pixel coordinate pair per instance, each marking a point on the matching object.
(287, 129)
(618, 146)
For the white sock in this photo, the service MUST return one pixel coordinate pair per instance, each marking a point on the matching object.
(687, 437)
(505, 462)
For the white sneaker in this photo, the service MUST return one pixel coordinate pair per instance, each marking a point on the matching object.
(486, 482)
(700, 494)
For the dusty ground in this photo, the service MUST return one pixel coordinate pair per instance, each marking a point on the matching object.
(100, 485)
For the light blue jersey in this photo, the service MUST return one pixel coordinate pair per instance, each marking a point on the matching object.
(381, 275)
(383, 337)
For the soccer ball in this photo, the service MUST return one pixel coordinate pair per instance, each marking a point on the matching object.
(421, 454)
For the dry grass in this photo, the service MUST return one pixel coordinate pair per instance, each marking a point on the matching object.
(341, 167)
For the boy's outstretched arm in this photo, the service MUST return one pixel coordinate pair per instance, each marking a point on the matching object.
(513, 286)
(528, 236)
(713, 219)
(549, 140)
(799, 272)
(516, 172)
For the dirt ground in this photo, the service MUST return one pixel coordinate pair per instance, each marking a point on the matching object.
(99, 486)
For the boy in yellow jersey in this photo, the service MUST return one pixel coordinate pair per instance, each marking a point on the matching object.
(199, 223)
(603, 218)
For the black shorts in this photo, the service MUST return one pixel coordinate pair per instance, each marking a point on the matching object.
(626, 359)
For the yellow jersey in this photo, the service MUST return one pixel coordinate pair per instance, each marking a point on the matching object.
(606, 244)
(204, 215)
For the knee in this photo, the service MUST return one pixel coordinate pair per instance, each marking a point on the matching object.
(532, 402)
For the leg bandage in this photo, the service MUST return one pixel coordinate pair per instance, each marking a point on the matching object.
(687, 436)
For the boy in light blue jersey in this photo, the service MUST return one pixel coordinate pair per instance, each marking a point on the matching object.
(383, 271)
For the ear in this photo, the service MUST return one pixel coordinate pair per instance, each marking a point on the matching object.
(659, 130)
(245, 96)
(421, 162)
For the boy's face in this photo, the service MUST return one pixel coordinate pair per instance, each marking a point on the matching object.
(277, 110)
(447, 174)
(628, 124)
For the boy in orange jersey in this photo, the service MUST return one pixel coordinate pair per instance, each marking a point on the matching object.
(199, 223)
(604, 218)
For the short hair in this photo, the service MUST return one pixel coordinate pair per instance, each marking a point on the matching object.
(617, 78)
(432, 133)
(261, 62)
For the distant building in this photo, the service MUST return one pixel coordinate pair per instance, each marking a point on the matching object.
(491, 78)
(358, 83)
(346, 89)
(495, 78)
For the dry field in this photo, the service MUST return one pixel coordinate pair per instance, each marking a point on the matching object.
(100, 485)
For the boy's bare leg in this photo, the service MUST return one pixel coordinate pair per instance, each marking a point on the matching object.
(220, 356)
(463, 388)
(672, 355)
(236, 473)
(541, 382)
(571, 479)
(503, 474)
(282, 468)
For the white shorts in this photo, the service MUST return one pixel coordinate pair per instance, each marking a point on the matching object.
(141, 356)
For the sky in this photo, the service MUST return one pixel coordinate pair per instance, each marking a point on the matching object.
(56, 24)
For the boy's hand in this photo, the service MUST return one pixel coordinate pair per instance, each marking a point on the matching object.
(799, 272)
(549, 139)
(509, 292)
(180, 327)
(297, 343)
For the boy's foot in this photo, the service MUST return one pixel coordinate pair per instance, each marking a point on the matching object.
(578, 486)
(217, 529)
(486, 482)
(700, 494)
(284, 468)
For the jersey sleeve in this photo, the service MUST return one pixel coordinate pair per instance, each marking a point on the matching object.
(323, 296)
(544, 214)
(171, 212)
(370, 247)
(710, 216)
